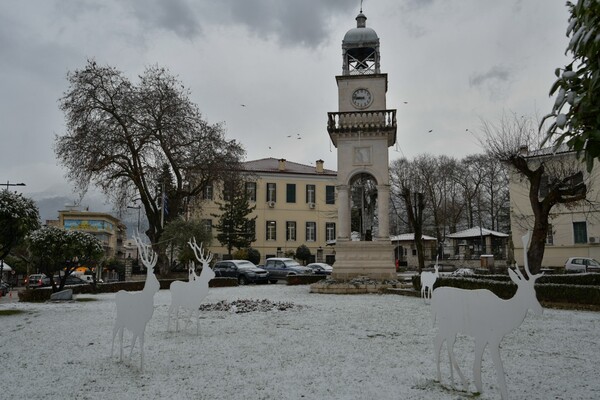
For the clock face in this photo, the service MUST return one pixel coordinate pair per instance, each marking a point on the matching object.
(361, 98)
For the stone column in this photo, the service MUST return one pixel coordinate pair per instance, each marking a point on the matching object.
(343, 212)
(383, 215)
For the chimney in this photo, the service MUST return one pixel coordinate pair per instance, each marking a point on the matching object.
(282, 164)
(319, 167)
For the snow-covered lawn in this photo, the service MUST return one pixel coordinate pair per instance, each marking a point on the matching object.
(326, 347)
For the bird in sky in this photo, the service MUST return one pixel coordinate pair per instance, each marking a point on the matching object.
(431, 130)
(243, 105)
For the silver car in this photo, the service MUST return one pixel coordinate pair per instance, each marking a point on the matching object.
(582, 264)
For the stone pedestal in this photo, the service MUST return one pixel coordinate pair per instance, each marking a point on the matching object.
(372, 259)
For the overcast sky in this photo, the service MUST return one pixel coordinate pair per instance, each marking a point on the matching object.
(453, 62)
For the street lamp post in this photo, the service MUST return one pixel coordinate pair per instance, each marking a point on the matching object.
(13, 184)
(137, 251)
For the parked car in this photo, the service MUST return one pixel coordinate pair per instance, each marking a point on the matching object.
(582, 264)
(37, 280)
(70, 281)
(281, 268)
(463, 272)
(320, 268)
(243, 270)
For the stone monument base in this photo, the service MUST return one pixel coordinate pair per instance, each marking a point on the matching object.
(374, 260)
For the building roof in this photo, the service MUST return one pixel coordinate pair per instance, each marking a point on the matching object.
(475, 232)
(409, 237)
(272, 165)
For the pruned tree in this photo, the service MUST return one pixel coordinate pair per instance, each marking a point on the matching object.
(577, 88)
(552, 179)
(303, 253)
(126, 138)
(59, 251)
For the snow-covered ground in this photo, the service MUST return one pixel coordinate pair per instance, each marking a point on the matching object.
(326, 347)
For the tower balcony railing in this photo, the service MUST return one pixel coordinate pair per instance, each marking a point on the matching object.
(384, 120)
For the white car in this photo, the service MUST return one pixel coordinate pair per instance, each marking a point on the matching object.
(582, 264)
(321, 268)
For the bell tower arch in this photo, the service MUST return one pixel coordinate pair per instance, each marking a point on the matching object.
(362, 130)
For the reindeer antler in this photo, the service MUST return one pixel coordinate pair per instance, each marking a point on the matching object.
(199, 252)
(148, 256)
(526, 239)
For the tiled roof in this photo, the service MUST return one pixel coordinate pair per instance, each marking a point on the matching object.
(272, 165)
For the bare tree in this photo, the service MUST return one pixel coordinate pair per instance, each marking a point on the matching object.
(145, 140)
(552, 179)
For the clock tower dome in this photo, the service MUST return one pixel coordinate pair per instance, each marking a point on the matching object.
(362, 131)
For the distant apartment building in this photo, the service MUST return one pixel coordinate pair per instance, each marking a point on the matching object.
(110, 231)
(574, 228)
(295, 205)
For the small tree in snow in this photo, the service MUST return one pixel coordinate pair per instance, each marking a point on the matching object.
(303, 253)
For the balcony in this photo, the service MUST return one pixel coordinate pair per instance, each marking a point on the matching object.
(365, 123)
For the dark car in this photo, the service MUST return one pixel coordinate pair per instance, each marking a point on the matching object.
(244, 271)
(37, 280)
(71, 280)
(281, 268)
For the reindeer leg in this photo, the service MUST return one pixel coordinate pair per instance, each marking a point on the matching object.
(439, 341)
(454, 364)
(177, 319)
(495, 351)
(121, 330)
(112, 347)
(135, 336)
(142, 350)
(479, 348)
(198, 321)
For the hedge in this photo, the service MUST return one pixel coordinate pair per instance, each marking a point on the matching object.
(43, 294)
(578, 289)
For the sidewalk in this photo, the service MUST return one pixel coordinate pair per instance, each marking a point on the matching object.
(11, 297)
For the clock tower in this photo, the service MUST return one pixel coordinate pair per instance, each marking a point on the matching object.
(362, 131)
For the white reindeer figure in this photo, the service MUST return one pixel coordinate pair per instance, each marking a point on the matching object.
(190, 294)
(135, 309)
(484, 316)
(428, 280)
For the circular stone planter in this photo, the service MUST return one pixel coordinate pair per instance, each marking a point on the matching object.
(358, 285)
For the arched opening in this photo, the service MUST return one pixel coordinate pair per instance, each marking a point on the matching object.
(363, 203)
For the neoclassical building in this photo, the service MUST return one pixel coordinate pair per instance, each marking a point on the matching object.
(294, 203)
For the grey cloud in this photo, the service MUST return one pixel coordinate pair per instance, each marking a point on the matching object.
(496, 73)
(174, 15)
(293, 22)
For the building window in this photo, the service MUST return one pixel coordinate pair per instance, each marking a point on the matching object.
(251, 230)
(290, 192)
(207, 225)
(549, 235)
(290, 231)
(207, 192)
(271, 192)
(310, 193)
(311, 231)
(329, 231)
(580, 232)
(329, 194)
(271, 230)
(228, 191)
(251, 191)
